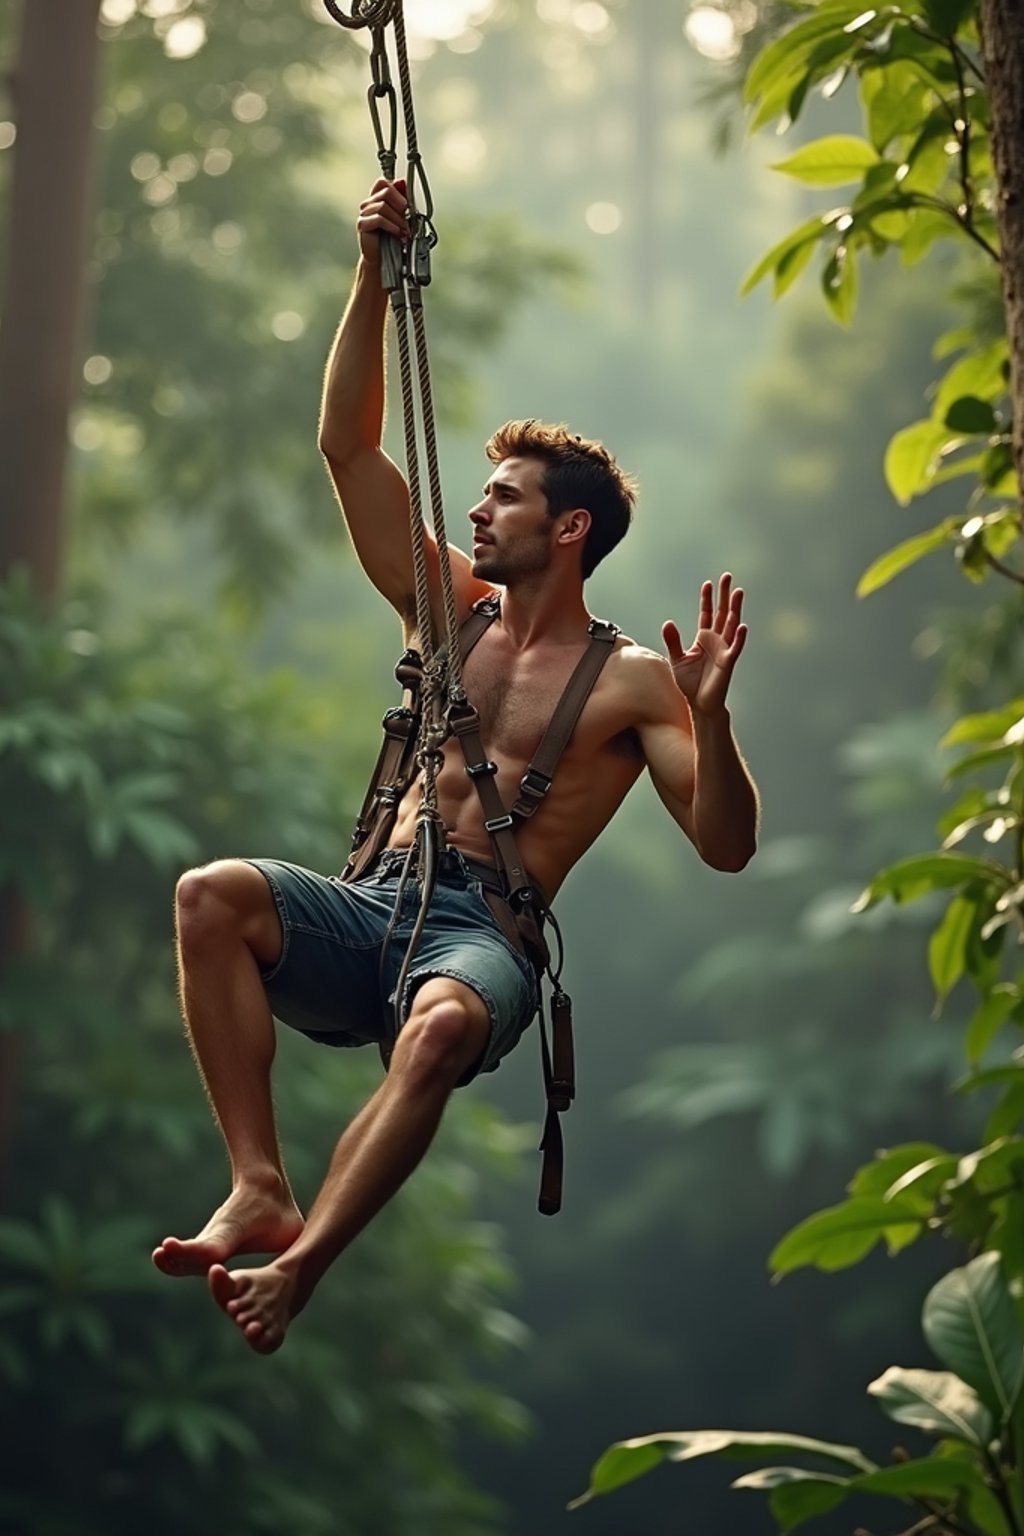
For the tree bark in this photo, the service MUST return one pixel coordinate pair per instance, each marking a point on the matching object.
(43, 297)
(1002, 33)
(40, 340)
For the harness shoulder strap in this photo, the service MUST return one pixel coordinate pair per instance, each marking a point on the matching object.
(481, 616)
(538, 778)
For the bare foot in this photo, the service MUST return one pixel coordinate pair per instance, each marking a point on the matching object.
(251, 1220)
(260, 1302)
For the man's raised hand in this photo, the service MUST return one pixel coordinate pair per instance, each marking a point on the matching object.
(702, 673)
(384, 212)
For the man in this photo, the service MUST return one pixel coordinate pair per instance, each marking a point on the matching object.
(259, 936)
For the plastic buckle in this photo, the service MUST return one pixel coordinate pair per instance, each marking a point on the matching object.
(477, 770)
(534, 782)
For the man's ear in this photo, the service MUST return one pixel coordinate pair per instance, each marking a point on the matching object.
(575, 526)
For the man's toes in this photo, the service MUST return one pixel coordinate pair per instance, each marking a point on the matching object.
(223, 1287)
(168, 1259)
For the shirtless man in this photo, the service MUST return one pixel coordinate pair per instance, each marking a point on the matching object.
(258, 938)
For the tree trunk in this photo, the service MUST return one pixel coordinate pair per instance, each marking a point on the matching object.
(51, 209)
(1002, 31)
(40, 339)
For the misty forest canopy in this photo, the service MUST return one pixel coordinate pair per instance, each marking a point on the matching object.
(157, 749)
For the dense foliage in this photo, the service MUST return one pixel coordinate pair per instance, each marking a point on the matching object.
(127, 760)
(925, 174)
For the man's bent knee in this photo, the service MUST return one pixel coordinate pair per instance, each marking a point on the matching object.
(446, 1032)
(229, 899)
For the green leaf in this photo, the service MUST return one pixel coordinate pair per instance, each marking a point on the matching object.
(629, 1459)
(928, 164)
(971, 416)
(796, 1495)
(991, 1167)
(893, 101)
(991, 725)
(931, 1478)
(969, 811)
(784, 57)
(924, 872)
(904, 555)
(796, 240)
(923, 1181)
(1012, 1074)
(1007, 1235)
(621, 1464)
(997, 469)
(911, 457)
(970, 1322)
(790, 267)
(1008, 1114)
(947, 16)
(839, 283)
(989, 1018)
(878, 1176)
(955, 469)
(927, 226)
(980, 373)
(830, 54)
(935, 1401)
(841, 1235)
(947, 947)
(975, 760)
(831, 161)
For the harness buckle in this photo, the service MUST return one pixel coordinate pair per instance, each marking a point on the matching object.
(462, 718)
(399, 721)
(499, 823)
(477, 770)
(409, 668)
(603, 629)
(535, 783)
(560, 1095)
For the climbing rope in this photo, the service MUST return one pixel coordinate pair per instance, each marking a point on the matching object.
(405, 272)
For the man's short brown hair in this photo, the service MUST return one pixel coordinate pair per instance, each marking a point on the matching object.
(578, 472)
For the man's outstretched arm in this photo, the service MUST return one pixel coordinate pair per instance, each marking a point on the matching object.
(688, 741)
(371, 489)
(373, 494)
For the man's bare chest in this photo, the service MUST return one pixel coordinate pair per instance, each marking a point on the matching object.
(517, 694)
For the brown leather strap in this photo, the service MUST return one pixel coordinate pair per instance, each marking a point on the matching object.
(391, 778)
(481, 616)
(537, 779)
(559, 1069)
(465, 725)
(393, 773)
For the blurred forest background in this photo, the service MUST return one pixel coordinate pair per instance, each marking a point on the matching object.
(210, 683)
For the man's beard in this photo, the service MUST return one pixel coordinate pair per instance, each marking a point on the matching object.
(505, 567)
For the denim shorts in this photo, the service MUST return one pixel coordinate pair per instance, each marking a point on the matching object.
(331, 981)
